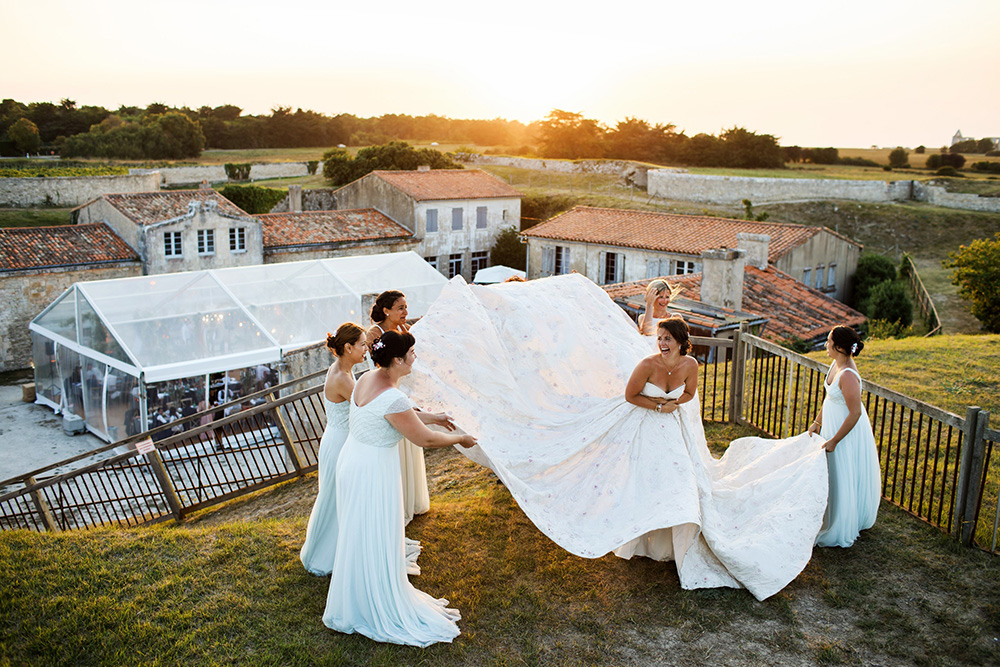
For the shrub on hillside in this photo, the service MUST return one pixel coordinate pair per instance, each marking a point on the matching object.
(899, 158)
(920, 150)
(859, 162)
(880, 330)
(538, 208)
(989, 167)
(252, 198)
(947, 171)
(938, 160)
(340, 168)
(237, 171)
(872, 270)
(977, 274)
(889, 302)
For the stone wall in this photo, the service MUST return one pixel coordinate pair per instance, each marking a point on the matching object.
(633, 172)
(678, 184)
(316, 199)
(25, 295)
(65, 191)
(216, 173)
(939, 196)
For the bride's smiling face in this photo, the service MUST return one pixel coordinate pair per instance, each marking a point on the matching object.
(666, 342)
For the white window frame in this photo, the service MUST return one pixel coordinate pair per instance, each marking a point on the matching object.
(482, 217)
(613, 268)
(431, 217)
(683, 267)
(560, 264)
(206, 242)
(173, 245)
(480, 260)
(455, 265)
(433, 261)
(237, 239)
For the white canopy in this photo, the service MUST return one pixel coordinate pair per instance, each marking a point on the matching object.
(179, 325)
(496, 274)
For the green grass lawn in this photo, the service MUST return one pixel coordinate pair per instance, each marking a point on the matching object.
(228, 589)
(34, 217)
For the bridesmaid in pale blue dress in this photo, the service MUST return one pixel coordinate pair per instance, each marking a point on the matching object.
(349, 344)
(850, 445)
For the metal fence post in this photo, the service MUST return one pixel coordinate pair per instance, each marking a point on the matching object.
(43, 507)
(970, 431)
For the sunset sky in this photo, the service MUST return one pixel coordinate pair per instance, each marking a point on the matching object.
(845, 74)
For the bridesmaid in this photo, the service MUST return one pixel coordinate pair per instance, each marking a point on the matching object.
(850, 445)
(659, 294)
(389, 314)
(350, 346)
(369, 592)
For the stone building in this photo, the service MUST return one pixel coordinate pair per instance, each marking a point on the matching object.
(738, 284)
(454, 214)
(38, 263)
(292, 237)
(614, 246)
(179, 230)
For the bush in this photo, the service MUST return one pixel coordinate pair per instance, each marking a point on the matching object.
(253, 198)
(977, 274)
(238, 171)
(989, 167)
(880, 330)
(340, 168)
(508, 250)
(538, 208)
(889, 302)
(939, 160)
(899, 158)
(920, 150)
(859, 162)
(312, 166)
(946, 171)
(872, 270)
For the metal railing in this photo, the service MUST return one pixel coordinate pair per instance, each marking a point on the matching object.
(924, 300)
(929, 468)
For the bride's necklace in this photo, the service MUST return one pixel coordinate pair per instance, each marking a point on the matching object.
(670, 371)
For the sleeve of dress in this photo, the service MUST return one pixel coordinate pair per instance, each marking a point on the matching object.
(401, 403)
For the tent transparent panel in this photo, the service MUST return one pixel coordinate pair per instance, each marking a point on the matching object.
(172, 400)
(296, 303)
(43, 355)
(176, 318)
(406, 272)
(94, 335)
(122, 404)
(71, 380)
(60, 317)
(93, 394)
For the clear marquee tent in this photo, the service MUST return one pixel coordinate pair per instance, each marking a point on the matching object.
(118, 353)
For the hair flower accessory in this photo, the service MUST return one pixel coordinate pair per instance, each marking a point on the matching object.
(378, 344)
(854, 348)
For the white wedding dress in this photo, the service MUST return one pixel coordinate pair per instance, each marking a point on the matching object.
(537, 371)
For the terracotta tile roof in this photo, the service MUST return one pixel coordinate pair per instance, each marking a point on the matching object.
(41, 247)
(666, 232)
(793, 309)
(145, 208)
(438, 184)
(319, 227)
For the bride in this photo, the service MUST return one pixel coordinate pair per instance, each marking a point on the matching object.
(598, 472)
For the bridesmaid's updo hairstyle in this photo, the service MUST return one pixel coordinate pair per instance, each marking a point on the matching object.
(391, 345)
(847, 340)
(678, 328)
(348, 333)
(383, 301)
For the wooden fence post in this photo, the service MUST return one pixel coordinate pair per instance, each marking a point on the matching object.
(974, 484)
(738, 375)
(970, 430)
(44, 511)
(165, 484)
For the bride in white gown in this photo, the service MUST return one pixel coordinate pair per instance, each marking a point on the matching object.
(537, 369)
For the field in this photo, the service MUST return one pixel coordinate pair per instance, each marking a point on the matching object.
(34, 217)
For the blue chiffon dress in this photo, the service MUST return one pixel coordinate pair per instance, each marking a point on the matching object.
(854, 471)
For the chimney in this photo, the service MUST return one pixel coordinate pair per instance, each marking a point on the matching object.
(722, 277)
(295, 198)
(756, 247)
(424, 167)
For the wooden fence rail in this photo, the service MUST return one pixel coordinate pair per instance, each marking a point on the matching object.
(936, 465)
(924, 300)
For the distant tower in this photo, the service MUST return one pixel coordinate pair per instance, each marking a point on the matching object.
(957, 138)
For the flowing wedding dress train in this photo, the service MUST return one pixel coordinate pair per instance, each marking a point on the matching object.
(537, 370)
